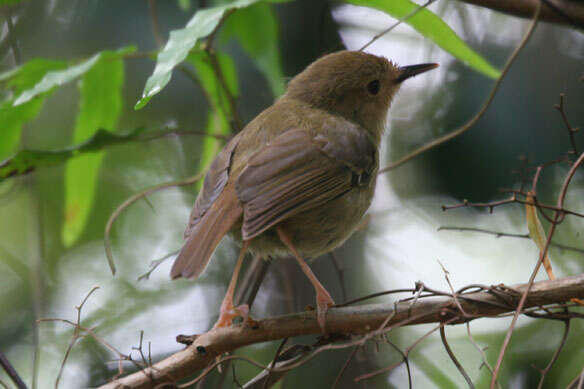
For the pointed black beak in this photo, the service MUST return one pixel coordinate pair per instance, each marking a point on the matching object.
(409, 71)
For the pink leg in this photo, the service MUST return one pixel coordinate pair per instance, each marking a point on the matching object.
(323, 298)
(228, 312)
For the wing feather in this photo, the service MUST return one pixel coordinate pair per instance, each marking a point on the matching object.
(297, 172)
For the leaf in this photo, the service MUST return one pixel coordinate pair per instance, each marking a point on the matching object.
(202, 64)
(13, 118)
(26, 161)
(100, 107)
(256, 29)
(537, 233)
(185, 5)
(179, 44)
(60, 77)
(432, 27)
(218, 119)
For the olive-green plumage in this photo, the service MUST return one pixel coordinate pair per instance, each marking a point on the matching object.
(306, 165)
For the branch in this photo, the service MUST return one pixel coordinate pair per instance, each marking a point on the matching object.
(355, 320)
(554, 11)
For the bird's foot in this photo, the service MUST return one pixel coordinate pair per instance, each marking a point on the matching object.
(323, 302)
(227, 314)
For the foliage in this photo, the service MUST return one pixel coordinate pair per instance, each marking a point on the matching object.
(208, 50)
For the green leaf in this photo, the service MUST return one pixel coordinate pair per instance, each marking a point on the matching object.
(13, 118)
(60, 77)
(432, 27)
(218, 119)
(100, 107)
(256, 29)
(185, 5)
(179, 44)
(202, 64)
(26, 161)
(9, 2)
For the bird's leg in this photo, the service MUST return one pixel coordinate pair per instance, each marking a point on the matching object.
(323, 298)
(228, 311)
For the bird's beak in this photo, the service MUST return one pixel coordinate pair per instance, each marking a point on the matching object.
(409, 71)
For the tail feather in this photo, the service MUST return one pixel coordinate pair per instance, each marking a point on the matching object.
(206, 235)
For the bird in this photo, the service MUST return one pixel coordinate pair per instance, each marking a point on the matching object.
(300, 176)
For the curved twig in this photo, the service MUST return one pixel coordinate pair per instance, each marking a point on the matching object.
(468, 125)
(132, 200)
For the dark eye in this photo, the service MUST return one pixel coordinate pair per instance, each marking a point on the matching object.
(373, 87)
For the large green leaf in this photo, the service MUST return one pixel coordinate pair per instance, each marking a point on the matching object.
(432, 27)
(12, 118)
(179, 44)
(26, 161)
(100, 107)
(256, 29)
(60, 77)
(218, 118)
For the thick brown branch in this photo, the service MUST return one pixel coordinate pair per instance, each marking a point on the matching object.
(567, 12)
(354, 320)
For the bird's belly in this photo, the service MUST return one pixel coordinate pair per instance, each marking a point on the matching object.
(316, 231)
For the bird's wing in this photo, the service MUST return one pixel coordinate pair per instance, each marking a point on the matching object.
(213, 185)
(298, 171)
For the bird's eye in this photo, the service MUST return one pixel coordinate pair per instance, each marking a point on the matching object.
(373, 87)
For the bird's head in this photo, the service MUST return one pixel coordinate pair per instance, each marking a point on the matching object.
(356, 85)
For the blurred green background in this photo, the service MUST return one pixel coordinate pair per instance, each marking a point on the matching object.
(52, 219)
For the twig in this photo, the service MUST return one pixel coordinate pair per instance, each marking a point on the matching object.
(484, 362)
(208, 47)
(76, 335)
(355, 320)
(408, 16)
(468, 125)
(155, 263)
(512, 199)
(499, 234)
(13, 44)
(556, 353)
(405, 360)
(11, 372)
(340, 269)
(558, 218)
(453, 358)
(273, 363)
(565, 12)
(113, 217)
(345, 365)
(154, 23)
(571, 131)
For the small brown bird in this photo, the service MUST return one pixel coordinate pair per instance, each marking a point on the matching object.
(299, 177)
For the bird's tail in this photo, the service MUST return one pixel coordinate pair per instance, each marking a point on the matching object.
(206, 235)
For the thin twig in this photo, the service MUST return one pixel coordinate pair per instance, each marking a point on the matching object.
(11, 372)
(273, 363)
(499, 234)
(485, 361)
(558, 217)
(571, 131)
(113, 217)
(453, 358)
(13, 43)
(556, 353)
(154, 23)
(468, 125)
(345, 365)
(340, 270)
(408, 16)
